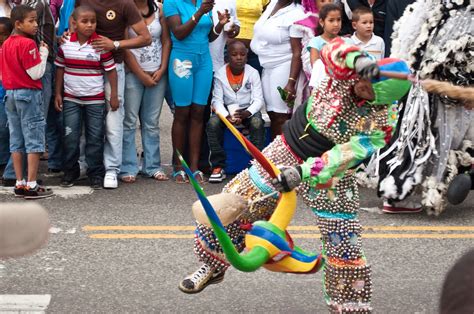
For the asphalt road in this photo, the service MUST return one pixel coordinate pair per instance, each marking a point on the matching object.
(125, 250)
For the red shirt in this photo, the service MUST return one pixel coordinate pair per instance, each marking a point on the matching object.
(19, 54)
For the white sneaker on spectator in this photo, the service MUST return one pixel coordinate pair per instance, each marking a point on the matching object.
(110, 180)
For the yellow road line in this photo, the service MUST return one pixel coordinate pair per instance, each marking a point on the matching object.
(141, 236)
(138, 228)
(290, 228)
(295, 236)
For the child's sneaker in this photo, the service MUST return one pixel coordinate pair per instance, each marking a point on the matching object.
(217, 175)
(19, 190)
(37, 192)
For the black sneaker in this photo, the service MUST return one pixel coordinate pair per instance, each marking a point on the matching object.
(217, 175)
(37, 192)
(19, 190)
(96, 183)
(67, 182)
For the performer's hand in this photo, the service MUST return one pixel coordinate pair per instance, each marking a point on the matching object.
(367, 68)
(288, 179)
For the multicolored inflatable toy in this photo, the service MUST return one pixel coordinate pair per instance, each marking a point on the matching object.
(268, 243)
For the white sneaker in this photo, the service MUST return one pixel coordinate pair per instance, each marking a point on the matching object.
(200, 279)
(110, 181)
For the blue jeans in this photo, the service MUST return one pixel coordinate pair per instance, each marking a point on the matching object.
(4, 133)
(25, 120)
(114, 125)
(53, 120)
(92, 115)
(142, 103)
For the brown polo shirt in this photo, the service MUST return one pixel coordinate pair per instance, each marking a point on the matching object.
(113, 18)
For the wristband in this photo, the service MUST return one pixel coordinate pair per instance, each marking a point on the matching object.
(291, 79)
(215, 32)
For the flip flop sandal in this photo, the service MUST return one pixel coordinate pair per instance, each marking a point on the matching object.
(180, 177)
(199, 176)
(160, 176)
(128, 179)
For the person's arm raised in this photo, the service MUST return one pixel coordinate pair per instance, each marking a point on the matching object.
(182, 30)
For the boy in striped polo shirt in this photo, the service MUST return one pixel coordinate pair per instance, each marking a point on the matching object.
(80, 95)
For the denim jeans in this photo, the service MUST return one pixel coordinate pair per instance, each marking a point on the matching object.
(9, 172)
(53, 120)
(92, 116)
(215, 135)
(114, 125)
(4, 133)
(142, 103)
(25, 120)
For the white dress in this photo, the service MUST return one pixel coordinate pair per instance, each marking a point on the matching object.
(271, 42)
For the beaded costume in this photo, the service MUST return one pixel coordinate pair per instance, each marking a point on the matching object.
(327, 137)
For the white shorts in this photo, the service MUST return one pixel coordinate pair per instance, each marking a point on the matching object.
(271, 79)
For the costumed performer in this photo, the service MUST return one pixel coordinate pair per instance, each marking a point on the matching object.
(436, 39)
(345, 120)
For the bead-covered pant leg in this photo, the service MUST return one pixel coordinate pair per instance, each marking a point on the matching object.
(347, 277)
(252, 184)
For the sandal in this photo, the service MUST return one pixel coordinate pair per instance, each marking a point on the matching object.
(180, 177)
(128, 179)
(160, 175)
(199, 176)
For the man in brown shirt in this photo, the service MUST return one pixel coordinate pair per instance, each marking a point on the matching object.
(113, 18)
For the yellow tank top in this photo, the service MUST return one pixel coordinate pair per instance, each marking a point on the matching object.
(248, 12)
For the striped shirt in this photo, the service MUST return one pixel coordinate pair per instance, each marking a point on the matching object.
(83, 70)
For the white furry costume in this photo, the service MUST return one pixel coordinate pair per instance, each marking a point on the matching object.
(436, 38)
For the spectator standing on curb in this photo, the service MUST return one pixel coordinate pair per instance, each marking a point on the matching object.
(277, 42)
(378, 8)
(145, 87)
(364, 37)
(23, 65)
(80, 96)
(190, 70)
(113, 18)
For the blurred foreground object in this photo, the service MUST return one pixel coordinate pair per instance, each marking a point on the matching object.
(23, 228)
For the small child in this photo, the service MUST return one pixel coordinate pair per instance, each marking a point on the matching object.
(80, 73)
(364, 37)
(237, 84)
(23, 65)
(330, 17)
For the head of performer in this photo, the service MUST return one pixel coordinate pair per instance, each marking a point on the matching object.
(330, 21)
(385, 90)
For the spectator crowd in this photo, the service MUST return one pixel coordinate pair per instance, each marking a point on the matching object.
(80, 77)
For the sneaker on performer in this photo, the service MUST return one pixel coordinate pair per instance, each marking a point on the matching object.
(403, 207)
(200, 279)
(217, 176)
(110, 180)
(39, 191)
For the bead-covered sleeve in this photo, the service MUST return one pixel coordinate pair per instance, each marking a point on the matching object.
(319, 171)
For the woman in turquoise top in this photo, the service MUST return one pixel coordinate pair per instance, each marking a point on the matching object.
(190, 74)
